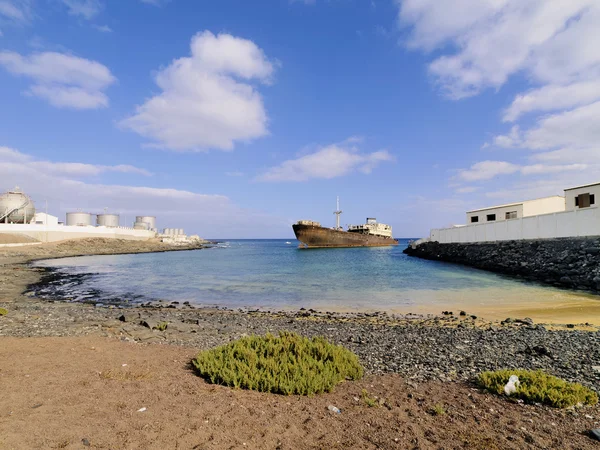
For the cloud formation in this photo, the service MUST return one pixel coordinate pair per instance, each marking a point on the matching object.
(9, 155)
(481, 44)
(84, 8)
(327, 162)
(65, 81)
(206, 99)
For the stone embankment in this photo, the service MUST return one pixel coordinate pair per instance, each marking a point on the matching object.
(572, 263)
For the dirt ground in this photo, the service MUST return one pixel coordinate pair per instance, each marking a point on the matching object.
(88, 392)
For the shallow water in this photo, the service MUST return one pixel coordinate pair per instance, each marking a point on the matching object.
(271, 274)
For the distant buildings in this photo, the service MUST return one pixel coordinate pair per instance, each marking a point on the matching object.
(575, 214)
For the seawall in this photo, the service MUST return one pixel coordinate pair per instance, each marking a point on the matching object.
(572, 263)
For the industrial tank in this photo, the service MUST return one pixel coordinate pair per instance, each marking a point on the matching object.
(140, 225)
(180, 232)
(150, 220)
(107, 220)
(79, 219)
(16, 207)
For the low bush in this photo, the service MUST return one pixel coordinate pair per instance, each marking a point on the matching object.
(285, 364)
(536, 386)
(3, 312)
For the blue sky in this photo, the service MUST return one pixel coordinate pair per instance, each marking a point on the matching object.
(237, 118)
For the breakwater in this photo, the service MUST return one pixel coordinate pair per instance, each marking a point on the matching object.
(572, 263)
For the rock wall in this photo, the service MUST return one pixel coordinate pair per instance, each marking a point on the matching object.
(572, 263)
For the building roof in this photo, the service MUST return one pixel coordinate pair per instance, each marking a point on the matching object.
(512, 204)
(582, 186)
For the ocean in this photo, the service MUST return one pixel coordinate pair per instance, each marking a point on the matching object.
(276, 275)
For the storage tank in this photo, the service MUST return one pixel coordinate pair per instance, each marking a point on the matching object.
(79, 219)
(16, 207)
(150, 220)
(107, 220)
(180, 232)
(140, 225)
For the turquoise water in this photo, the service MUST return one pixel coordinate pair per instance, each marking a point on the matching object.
(272, 274)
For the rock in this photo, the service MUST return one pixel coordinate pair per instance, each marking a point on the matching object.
(85, 442)
(463, 313)
(130, 316)
(150, 323)
(595, 434)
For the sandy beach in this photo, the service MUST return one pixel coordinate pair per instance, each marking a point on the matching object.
(75, 375)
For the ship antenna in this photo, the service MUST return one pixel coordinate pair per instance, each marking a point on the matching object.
(337, 213)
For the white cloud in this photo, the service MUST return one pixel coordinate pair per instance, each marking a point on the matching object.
(553, 97)
(8, 154)
(17, 11)
(328, 162)
(207, 100)
(486, 170)
(103, 28)
(481, 44)
(64, 80)
(551, 41)
(84, 8)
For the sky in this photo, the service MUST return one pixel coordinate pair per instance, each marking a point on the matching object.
(236, 118)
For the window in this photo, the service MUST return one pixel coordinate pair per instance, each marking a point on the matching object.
(511, 215)
(584, 200)
(491, 217)
(474, 219)
(592, 199)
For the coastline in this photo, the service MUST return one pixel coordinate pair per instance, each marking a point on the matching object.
(430, 357)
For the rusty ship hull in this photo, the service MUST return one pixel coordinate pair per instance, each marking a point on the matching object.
(312, 236)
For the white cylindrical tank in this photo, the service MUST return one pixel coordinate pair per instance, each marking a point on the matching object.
(166, 231)
(79, 219)
(16, 207)
(140, 226)
(107, 220)
(180, 232)
(150, 220)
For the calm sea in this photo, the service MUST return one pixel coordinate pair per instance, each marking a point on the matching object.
(275, 274)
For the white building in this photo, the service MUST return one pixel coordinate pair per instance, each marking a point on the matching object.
(580, 197)
(574, 215)
(509, 211)
(41, 218)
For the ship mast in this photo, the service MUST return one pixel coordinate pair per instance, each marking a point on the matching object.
(337, 213)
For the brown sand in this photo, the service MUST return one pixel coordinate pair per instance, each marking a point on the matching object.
(68, 392)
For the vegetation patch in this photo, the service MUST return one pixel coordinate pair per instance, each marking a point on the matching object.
(371, 402)
(437, 410)
(161, 326)
(285, 364)
(536, 386)
(3, 312)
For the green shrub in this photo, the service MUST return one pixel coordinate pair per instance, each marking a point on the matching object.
(161, 326)
(285, 364)
(3, 312)
(537, 386)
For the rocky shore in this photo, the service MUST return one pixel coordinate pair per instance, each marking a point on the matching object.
(572, 263)
(452, 346)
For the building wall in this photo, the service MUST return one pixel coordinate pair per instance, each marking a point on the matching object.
(543, 206)
(571, 194)
(576, 223)
(46, 219)
(500, 213)
(52, 233)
